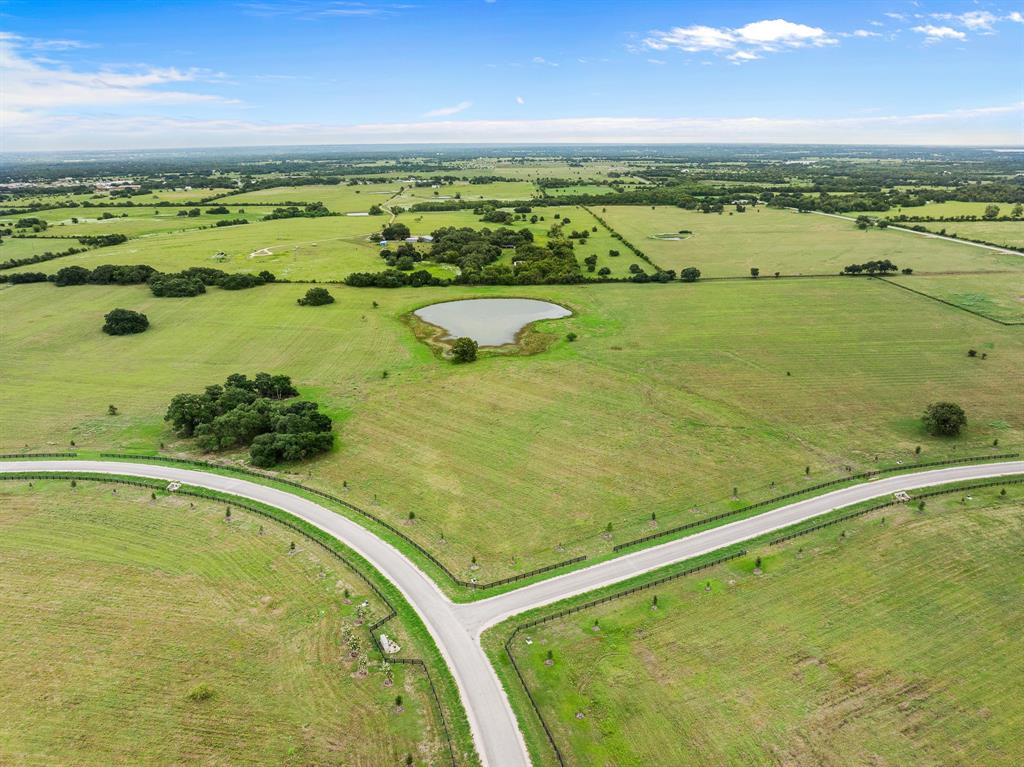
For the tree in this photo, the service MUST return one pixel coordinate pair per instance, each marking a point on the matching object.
(991, 211)
(1018, 211)
(464, 350)
(395, 232)
(124, 322)
(944, 419)
(690, 274)
(316, 297)
(754, 272)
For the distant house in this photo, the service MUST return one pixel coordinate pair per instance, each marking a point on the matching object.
(424, 238)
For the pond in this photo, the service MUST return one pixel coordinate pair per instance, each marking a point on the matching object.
(489, 321)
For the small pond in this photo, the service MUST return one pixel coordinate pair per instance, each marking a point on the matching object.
(489, 321)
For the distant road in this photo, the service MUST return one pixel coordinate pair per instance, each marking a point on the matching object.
(456, 628)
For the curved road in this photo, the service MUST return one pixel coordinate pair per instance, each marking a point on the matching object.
(456, 628)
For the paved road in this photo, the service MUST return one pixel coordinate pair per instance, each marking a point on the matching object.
(456, 628)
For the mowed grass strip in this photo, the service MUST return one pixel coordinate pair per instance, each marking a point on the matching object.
(672, 397)
(119, 610)
(773, 240)
(892, 639)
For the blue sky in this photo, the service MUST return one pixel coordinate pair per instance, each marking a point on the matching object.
(93, 75)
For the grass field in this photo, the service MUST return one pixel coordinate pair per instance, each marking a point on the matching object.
(327, 248)
(939, 210)
(117, 607)
(24, 247)
(495, 190)
(1008, 233)
(998, 296)
(340, 198)
(672, 396)
(896, 644)
(134, 222)
(564, 191)
(784, 241)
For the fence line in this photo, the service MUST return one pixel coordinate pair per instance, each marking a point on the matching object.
(369, 515)
(887, 504)
(39, 455)
(285, 522)
(950, 303)
(802, 491)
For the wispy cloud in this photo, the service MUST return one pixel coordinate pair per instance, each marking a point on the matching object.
(462, 106)
(934, 34)
(33, 85)
(520, 100)
(745, 43)
(310, 10)
(994, 125)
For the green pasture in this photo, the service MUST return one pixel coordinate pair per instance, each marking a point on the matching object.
(564, 191)
(327, 248)
(136, 221)
(339, 198)
(940, 210)
(785, 241)
(154, 631)
(672, 397)
(890, 639)
(25, 247)
(495, 190)
(1000, 296)
(1006, 233)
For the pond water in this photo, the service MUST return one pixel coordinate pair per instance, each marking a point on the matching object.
(489, 321)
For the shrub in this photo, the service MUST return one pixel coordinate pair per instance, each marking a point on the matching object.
(175, 286)
(464, 350)
(200, 692)
(71, 275)
(124, 322)
(316, 297)
(690, 274)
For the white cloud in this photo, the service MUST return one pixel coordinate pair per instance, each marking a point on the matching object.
(657, 62)
(740, 44)
(987, 125)
(520, 100)
(934, 34)
(974, 20)
(545, 62)
(897, 16)
(781, 32)
(692, 39)
(864, 33)
(462, 106)
(741, 56)
(32, 83)
(1016, 16)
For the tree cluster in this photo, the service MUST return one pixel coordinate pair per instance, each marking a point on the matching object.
(316, 297)
(871, 267)
(123, 322)
(250, 412)
(313, 210)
